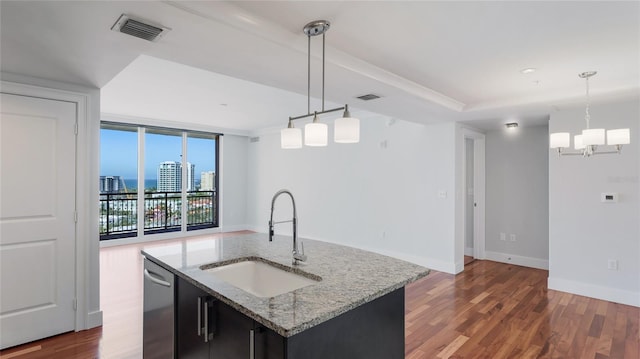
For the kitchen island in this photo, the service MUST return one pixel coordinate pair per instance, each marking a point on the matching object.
(354, 308)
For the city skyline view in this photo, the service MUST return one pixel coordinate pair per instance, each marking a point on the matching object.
(170, 199)
(119, 149)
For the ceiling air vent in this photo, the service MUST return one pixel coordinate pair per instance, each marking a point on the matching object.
(368, 97)
(143, 30)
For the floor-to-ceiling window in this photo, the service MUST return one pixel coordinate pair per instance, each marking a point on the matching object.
(171, 173)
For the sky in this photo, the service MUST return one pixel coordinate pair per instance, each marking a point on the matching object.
(119, 151)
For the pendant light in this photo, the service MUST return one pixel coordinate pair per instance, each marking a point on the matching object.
(586, 144)
(291, 137)
(346, 129)
(316, 133)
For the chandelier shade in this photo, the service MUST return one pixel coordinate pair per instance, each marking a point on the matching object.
(594, 136)
(620, 136)
(559, 140)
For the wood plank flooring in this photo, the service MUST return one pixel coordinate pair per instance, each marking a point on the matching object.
(491, 310)
(468, 260)
(495, 310)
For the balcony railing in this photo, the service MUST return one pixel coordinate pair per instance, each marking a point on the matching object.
(162, 212)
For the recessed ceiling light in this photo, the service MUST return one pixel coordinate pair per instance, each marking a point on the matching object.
(512, 125)
(528, 70)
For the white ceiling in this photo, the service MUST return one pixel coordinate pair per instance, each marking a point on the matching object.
(431, 61)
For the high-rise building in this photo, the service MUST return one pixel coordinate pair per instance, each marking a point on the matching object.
(207, 181)
(111, 184)
(170, 177)
(191, 178)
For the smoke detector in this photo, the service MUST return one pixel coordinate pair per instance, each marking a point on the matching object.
(139, 28)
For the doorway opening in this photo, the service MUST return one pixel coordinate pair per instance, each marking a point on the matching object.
(473, 195)
(469, 202)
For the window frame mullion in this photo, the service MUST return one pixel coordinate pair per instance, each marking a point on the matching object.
(141, 181)
(185, 181)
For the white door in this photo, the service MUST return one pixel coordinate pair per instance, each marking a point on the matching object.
(37, 227)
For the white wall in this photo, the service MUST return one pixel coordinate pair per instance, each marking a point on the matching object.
(517, 193)
(233, 184)
(380, 194)
(585, 233)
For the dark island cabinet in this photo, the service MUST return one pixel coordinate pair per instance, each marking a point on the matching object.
(208, 328)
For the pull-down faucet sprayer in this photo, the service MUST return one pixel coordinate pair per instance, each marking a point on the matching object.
(298, 256)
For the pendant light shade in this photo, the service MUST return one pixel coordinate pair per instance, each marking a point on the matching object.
(291, 138)
(619, 137)
(346, 129)
(593, 136)
(316, 133)
(559, 140)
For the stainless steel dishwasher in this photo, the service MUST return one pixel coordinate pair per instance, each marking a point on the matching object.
(159, 312)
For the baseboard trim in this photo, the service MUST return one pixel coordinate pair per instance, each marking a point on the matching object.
(94, 319)
(259, 229)
(517, 260)
(431, 263)
(459, 267)
(468, 251)
(595, 291)
(236, 228)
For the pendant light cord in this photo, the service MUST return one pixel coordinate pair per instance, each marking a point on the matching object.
(587, 116)
(309, 74)
(323, 71)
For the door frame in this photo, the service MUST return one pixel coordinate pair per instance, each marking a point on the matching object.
(478, 139)
(83, 208)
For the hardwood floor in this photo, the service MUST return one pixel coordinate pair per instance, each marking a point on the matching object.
(495, 310)
(491, 310)
(468, 260)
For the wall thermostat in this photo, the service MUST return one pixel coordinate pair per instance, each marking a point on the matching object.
(610, 197)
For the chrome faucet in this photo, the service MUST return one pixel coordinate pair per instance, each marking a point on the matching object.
(298, 256)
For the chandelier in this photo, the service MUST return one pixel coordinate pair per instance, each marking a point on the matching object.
(586, 144)
(346, 128)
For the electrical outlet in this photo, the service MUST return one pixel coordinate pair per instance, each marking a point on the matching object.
(512, 237)
(612, 264)
(503, 236)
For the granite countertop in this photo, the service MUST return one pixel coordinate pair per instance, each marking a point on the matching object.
(350, 277)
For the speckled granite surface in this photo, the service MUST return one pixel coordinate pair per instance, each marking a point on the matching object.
(350, 277)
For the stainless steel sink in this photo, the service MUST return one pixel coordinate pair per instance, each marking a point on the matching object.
(260, 278)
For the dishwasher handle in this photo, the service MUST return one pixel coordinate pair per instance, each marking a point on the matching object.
(155, 280)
